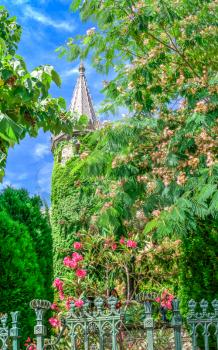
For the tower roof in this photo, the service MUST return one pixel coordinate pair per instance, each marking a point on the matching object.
(81, 102)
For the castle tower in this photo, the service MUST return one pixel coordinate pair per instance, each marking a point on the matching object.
(81, 104)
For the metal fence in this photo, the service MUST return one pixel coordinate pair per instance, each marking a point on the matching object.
(103, 325)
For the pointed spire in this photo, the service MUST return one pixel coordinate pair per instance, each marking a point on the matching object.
(81, 102)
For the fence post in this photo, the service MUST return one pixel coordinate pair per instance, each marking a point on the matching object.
(40, 330)
(15, 330)
(4, 332)
(177, 324)
(149, 325)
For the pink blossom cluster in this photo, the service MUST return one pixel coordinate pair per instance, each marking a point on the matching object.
(58, 284)
(54, 322)
(165, 300)
(31, 345)
(129, 243)
(81, 273)
(54, 307)
(79, 303)
(73, 261)
(113, 245)
(77, 245)
(69, 300)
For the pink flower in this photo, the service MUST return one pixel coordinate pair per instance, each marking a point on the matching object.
(73, 264)
(61, 295)
(167, 304)
(32, 347)
(58, 284)
(69, 299)
(77, 245)
(67, 261)
(54, 307)
(131, 244)
(114, 246)
(54, 322)
(77, 257)
(79, 303)
(122, 240)
(165, 300)
(81, 273)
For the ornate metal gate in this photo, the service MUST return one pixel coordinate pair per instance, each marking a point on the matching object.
(102, 325)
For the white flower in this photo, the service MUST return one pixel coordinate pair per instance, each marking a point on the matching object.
(91, 31)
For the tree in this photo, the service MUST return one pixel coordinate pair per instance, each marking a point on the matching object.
(21, 280)
(156, 174)
(25, 103)
(27, 210)
(161, 53)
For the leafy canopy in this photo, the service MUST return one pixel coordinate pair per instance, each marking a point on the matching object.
(25, 105)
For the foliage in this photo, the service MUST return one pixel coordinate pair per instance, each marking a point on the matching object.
(198, 264)
(21, 280)
(27, 210)
(26, 254)
(25, 103)
(151, 178)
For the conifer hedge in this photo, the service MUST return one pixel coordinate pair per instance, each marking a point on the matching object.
(25, 255)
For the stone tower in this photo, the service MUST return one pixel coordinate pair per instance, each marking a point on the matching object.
(81, 104)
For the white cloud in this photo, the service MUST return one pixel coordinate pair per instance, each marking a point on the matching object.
(30, 12)
(69, 72)
(41, 150)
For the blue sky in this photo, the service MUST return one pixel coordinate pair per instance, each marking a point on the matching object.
(47, 24)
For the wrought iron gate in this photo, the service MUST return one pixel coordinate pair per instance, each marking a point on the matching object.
(102, 325)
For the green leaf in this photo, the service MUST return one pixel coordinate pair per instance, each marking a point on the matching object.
(151, 225)
(206, 192)
(56, 78)
(9, 130)
(75, 5)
